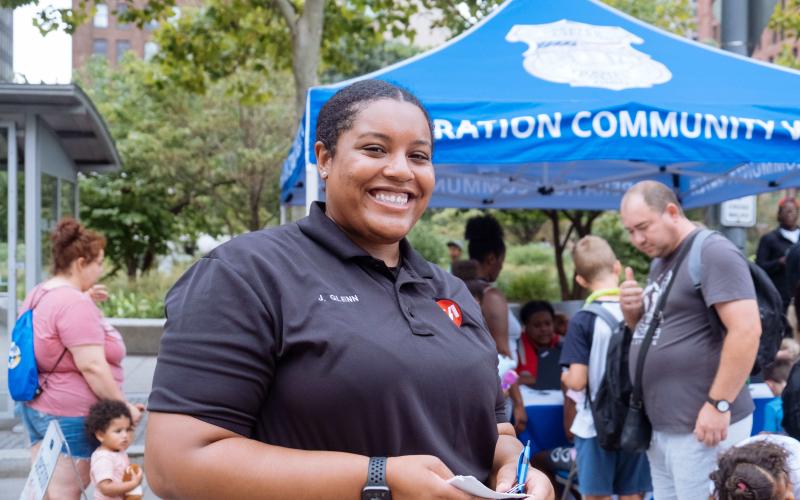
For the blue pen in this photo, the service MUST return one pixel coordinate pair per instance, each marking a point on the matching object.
(522, 465)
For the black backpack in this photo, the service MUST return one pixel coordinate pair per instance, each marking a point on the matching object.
(770, 305)
(791, 403)
(610, 404)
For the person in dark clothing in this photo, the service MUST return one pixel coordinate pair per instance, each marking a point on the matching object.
(774, 246)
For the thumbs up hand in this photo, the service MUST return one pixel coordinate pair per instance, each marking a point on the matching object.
(631, 299)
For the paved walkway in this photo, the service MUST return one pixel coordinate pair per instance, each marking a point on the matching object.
(14, 455)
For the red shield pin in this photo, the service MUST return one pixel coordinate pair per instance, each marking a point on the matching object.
(452, 310)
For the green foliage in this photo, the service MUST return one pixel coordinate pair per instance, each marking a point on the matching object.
(529, 272)
(520, 226)
(609, 227)
(530, 285)
(191, 163)
(676, 16)
(532, 254)
(364, 59)
(786, 19)
(143, 298)
(431, 245)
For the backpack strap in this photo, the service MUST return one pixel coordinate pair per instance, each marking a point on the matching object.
(695, 256)
(604, 314)
(34, 303)
(655, 321)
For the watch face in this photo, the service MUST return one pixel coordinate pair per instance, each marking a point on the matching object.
(376, 493)
(723, 406)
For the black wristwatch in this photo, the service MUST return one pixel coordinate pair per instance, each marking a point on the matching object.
(376, 487)
(721, 405)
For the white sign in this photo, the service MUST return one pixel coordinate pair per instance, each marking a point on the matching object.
(46, 458)
(586, 55)
(740, 212)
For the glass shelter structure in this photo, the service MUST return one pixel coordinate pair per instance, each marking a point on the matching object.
(48, 134)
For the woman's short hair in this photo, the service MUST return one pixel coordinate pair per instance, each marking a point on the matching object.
(338, 114)
(71, 241)
(485, 236)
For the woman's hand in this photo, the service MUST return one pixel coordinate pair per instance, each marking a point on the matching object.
(136, 411)
(421, 476)
(537, 486)
(98, 293)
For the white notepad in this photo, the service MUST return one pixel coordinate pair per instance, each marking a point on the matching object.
(474, 487)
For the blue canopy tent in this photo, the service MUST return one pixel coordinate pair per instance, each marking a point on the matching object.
(566, 103)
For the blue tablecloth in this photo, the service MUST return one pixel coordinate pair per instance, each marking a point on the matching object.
(546, 410)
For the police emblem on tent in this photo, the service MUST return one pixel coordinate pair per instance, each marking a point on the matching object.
(586, 55)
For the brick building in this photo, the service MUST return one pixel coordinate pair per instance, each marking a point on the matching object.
(104, 35)
(708, 31)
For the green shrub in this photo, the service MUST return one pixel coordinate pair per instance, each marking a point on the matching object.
(130, 304)
(428, 243)
(609, 227)
(528, 285)
(142, 298)
(532, 254)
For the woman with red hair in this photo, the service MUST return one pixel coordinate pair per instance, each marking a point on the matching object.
(78, 354)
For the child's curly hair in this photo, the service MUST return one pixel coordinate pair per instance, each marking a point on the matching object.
(750, 472)
(103, 412)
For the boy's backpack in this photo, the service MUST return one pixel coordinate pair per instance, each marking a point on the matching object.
(791, 403)
(23, 374)
(610, 404)
(770, 305)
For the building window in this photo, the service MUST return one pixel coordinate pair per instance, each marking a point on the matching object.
(122, 8)
(100, 47)
(122, 47)
(151, 25)
(101, 16)
(150, 50)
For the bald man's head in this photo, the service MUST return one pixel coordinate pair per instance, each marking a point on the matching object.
(651, 215)
(655, 195)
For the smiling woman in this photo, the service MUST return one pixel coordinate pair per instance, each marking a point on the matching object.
(326, 358)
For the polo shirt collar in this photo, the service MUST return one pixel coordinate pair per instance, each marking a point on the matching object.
(320, 228)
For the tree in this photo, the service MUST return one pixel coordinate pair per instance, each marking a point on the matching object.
(191, 163)
(786, 19)
(676, 16)
(521, 226)
(580, 223)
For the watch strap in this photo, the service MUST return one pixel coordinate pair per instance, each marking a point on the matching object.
(376, 475)
(715, 403)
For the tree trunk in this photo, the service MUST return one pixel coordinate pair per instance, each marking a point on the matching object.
(582, 228)
(131, 267)
(559, 253)
(306, 43)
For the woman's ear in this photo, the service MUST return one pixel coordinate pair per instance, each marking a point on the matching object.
(323, 159)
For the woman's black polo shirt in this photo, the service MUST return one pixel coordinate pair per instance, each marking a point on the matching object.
(296, 337)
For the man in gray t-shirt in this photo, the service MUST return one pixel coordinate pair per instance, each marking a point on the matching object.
(694, 381)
